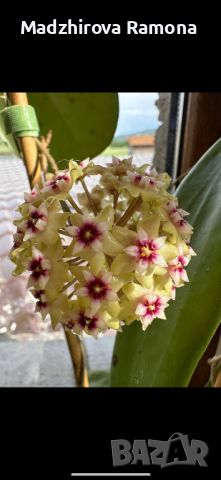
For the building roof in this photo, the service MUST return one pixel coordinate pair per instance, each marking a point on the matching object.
(141, 140)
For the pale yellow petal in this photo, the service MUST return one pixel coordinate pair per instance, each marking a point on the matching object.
(134, 291)
(145, 280)
(97, 262)
(151, 226)
(113, 308)
(122, 264)
(110, 245)
(168, 251)
(124, 235)
(127, 313)
(106, 215)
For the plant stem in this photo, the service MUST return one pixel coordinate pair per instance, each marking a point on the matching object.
(71, 295)
(178, 179)
(78, 357)
(77, 263)
(42, 157)
(74, 260)
(115, 195)
(63, 232)
(135, 203)
(44, 150)
(89, 197)
(68, 285)
(218, 380)
(74, 205)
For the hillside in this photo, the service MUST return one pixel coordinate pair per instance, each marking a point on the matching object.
(122, 139)
(119, 147)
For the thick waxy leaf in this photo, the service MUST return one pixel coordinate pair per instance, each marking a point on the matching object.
(99, 378)
(83, 124)
(168, 352)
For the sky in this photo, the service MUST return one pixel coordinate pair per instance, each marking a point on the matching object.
(137, 113)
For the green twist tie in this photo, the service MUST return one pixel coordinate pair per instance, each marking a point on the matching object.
(21, 121)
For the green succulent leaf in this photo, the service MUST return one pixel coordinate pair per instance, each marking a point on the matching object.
(83, 124)
(166, 354)
(99, 378)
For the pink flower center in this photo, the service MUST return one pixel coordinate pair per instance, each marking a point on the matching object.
(39, 293)
(88, 233)
(41, 304)
(83, 321)
(18, 239)
(137, 178)
(54, 183)
(179, 268)
(146, 250)
(92, 324)
(181, 263)
(97, 288)
(181, 223)
(37, 269)
(152, 308)
(34, 217)
(34, 193)
(151, 181)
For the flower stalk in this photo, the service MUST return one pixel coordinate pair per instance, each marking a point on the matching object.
(43, 149)
(135, 203)
(74, 204)
(89, 197)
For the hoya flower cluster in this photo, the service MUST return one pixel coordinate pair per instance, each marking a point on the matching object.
(105, 257)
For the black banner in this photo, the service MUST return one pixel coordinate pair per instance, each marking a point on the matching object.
(54, 433)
